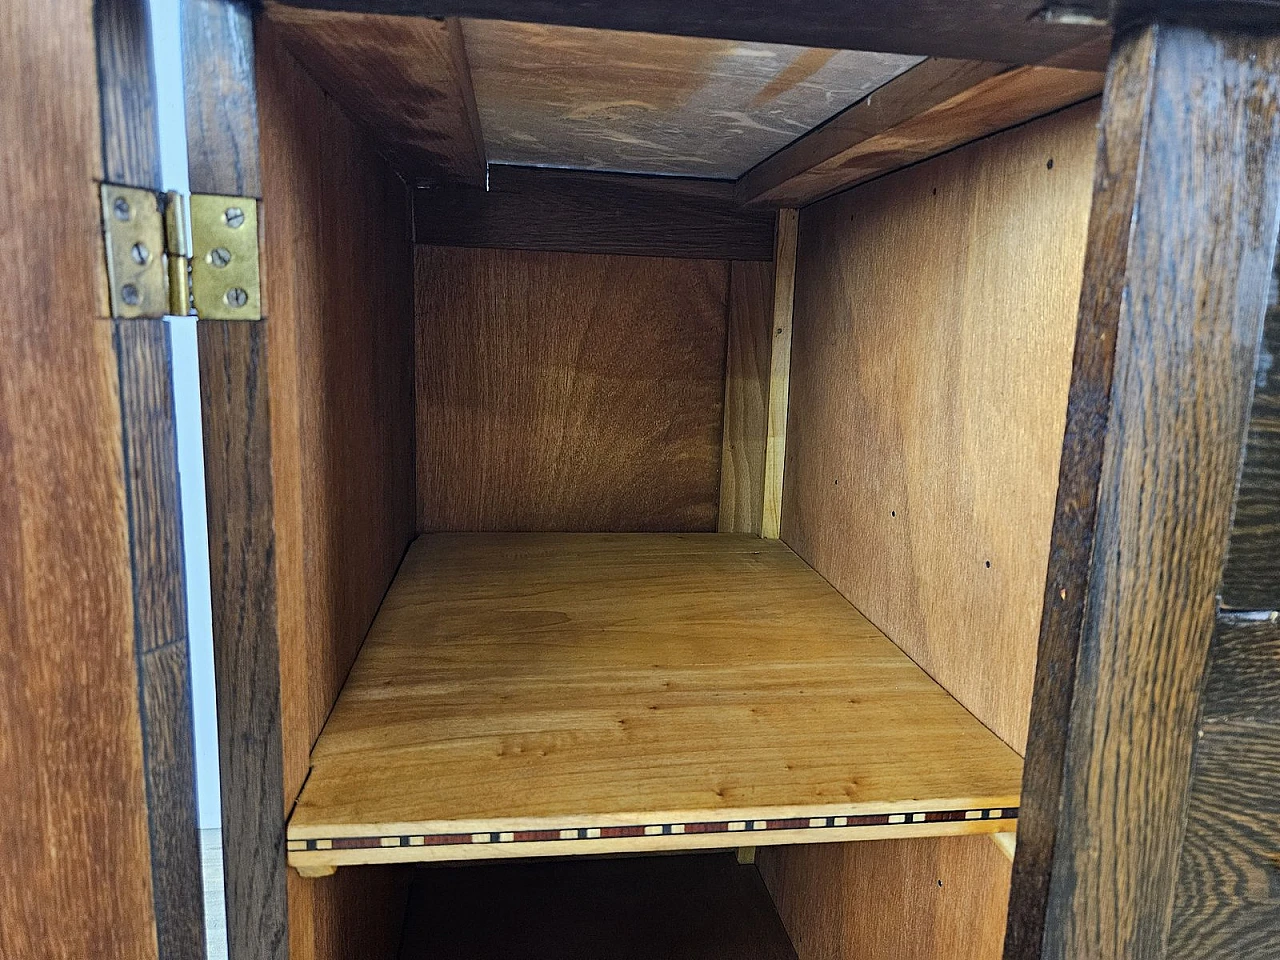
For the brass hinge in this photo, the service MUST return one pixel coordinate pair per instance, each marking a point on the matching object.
(172, 255)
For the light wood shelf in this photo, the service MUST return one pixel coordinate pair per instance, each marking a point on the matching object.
(549, 694)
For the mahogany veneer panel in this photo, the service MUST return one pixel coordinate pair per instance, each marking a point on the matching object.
(561, 693)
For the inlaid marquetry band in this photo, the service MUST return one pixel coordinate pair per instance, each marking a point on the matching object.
(653, 830)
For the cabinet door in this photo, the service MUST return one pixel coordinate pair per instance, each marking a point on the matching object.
(100, 851)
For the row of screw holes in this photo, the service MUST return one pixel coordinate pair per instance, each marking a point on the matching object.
(217, 257)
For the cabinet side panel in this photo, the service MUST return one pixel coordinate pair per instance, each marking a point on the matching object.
(934, 319)
(567, 391)
(338, 270)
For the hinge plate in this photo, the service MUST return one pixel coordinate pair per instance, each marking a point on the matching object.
(133, 228)
(225, 279)
(152, 269)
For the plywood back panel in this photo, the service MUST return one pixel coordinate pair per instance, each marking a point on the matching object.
(337, 259)
(934, 323)
(571, 392)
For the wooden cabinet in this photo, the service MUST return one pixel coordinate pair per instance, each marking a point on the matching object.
(734, 468)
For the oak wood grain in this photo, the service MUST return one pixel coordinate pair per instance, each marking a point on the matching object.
(72, 773)
(1228, 897)
(517, 682)
(705, 907)
(1182, 237)
(927, 413)
(1252, 578)
(338, 260)
(405, 79)
(936, 105)
(746, 397)
(526, 208)
(1011, 32)
(937, 899)
(568, 391)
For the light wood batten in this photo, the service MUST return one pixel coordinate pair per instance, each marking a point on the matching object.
(784, 284)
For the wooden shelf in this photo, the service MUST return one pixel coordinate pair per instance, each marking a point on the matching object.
(536, 694)
(704, 907)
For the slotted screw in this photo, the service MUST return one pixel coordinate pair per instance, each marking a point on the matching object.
(129, 294)
(236, 297)
(234, 217)
(121, 209)
(219, 256)
(140, 253)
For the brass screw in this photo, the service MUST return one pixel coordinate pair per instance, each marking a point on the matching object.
(140, 253)
(121, 209)
(129, 294)
(236, 297)
(234, 217)
(219, 256)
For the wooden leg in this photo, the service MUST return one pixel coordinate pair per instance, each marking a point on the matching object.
(1181, 238)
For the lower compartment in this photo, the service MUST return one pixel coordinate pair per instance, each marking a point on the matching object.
(684, 907)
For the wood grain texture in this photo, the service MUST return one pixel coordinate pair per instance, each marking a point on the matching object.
(1252, 578)
(746, 397)
(219, 97)
(704, 907)
(1228, 899)
(158, 574)
(568, 391)
(338, 261)
(936, 899)
(652, 102)
(976, 29)
(242, 579)
(931, 108)
(127, 92)
(406, 79)
(72, 780)
(537, 682)
(1182, 237)
(927, 413)
(785, 253)
(575, 211)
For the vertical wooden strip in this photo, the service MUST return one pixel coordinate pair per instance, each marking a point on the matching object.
(237, 444)
(746, 397)
(160, 625)
(131, 155)
(222, 144)
(1181, 240)
(784, 284)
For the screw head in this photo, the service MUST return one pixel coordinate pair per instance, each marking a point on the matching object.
(219, 256)
(236, 297)
(130, 295)
(140, 253)
(234, 217)
(121, 209)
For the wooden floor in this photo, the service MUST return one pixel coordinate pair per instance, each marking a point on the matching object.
(538, 694)
(703, 907)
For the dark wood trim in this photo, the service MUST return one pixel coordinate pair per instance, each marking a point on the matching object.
(1181, 241)
(1228, 900)
(933, 107)
(573, 211)
(1011, 31)
(222, 136)
(1252, 578)
(131, 155)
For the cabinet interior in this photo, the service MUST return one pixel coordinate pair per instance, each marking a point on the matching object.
(664, 459)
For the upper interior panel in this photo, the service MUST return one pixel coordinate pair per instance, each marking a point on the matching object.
(644, 103)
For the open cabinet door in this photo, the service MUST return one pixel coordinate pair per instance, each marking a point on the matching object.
(96, 769)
